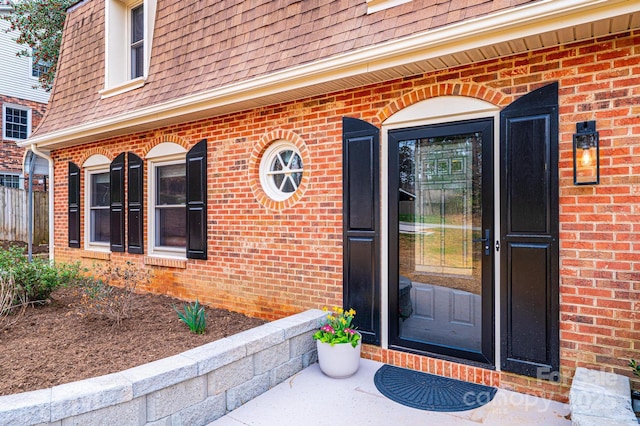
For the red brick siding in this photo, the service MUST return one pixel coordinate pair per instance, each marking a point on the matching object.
(271, 262)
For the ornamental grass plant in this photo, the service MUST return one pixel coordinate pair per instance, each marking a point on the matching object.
(337, 328)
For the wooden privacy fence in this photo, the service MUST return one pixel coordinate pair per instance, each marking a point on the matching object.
(13, 215)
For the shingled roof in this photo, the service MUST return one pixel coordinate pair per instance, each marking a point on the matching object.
(216, 57)
(200, 45)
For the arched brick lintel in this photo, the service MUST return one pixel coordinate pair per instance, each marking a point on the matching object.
(472, 90)
(166, 138)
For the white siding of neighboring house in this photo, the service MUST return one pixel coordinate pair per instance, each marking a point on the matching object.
(15, 72)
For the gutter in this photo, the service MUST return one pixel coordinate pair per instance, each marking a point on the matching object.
(514, 24)
(34, 149)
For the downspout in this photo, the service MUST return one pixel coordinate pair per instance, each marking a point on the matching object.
(32, 166)
(34, 149)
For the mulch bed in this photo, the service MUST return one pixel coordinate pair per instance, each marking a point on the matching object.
(52, 344)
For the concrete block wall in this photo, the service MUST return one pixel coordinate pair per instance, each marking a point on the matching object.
(598, 398)
(192, 388)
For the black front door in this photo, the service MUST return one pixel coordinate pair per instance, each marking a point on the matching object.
(440, 240)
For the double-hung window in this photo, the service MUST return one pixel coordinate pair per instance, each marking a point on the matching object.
(97, 202)
(16, 122)
(137, 41)
(167, 200)
(177, 201)
(99, 227)
(129, 28)
(170, 206)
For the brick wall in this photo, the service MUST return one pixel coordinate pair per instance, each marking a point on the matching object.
(11, 156)
(273, 260)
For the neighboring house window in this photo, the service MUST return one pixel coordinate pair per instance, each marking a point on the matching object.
(97, 202)
(137, 41)
(10, 180)
(16, 122)
(38, 68)
(281, 170)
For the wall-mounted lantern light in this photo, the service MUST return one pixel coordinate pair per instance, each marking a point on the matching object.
(586, 154)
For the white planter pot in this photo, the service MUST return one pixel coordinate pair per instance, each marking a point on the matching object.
(340, 360)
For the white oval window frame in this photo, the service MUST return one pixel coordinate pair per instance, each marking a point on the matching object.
(266, 180)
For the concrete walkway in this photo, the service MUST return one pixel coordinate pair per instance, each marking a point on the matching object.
(311, 398)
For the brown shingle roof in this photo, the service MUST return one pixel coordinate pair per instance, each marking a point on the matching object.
(201, 45)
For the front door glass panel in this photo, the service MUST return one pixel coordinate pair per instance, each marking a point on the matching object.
(441, 252)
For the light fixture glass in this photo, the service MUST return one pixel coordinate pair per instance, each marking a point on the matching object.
(586, 154)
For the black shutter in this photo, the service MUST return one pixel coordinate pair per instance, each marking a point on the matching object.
(197, 201)
(361, 223)
(135, 204)
(116, 193)
(529, 234)
(74, 205)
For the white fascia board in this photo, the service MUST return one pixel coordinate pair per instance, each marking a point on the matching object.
(533, 18)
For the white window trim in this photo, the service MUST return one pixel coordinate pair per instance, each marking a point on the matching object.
(4, 121)
(378, 5)
(117, 45)
(265, 164)
(93, 165)
(432, 111)
(164, 154)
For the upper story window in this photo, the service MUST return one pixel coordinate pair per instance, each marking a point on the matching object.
(16, 122)
(137, 41)
(129, 28)
(378, 5)
(38, 68)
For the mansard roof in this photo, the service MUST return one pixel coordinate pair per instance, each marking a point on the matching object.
(213, 57)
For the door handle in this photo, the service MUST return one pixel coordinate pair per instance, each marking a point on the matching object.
(485, 240)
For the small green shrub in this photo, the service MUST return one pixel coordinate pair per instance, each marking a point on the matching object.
(635, 367)
(194, 316)
(36, 280)
(109, 293)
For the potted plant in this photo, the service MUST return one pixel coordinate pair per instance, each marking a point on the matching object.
(338, 344)
(635, 395)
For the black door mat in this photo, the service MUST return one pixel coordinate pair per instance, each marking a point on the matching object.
(429, 392)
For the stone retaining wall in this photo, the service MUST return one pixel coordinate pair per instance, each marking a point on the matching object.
(598, 398)
(192, 388)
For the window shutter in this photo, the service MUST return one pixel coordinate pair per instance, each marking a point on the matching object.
(361, 225)
(74, 205)
(135, 189)
(116, 192)
(197, 201)
(529, 229)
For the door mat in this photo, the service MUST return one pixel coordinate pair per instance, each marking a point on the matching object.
(429, 392)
